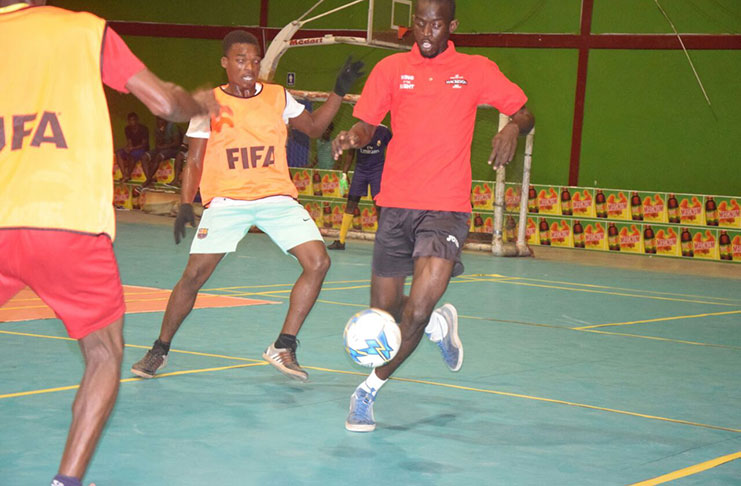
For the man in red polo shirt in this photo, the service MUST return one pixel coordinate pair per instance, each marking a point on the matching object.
(432, 93)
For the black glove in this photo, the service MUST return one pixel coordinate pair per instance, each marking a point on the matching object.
(349, 73)
(185, 215)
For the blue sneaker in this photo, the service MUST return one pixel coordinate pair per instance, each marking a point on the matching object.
(450, 345)
(360, 418)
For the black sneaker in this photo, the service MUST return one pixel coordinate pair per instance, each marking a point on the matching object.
(150, 364)
(336, 245)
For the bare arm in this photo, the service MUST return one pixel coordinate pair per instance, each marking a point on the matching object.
(504, 143)
(193, 169)
(314, 124)
(168, 100)
(358, 136)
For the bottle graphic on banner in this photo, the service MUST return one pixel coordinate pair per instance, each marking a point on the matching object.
(672, 209)
(545, 232)
(686, 241)
(613, 237)
(636, 207)
(724, 245)
(509, 229)
(566, 202)
(532, 200)
(579, 239)
(316, 183)
(649, 240)
(711, 212)
(600, 203)
(327, 214)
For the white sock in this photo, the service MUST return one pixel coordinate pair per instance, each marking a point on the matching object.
(437, 328)
(372, 384)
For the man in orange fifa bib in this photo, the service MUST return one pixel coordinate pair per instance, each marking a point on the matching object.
(432, 93)
(57, 222)
(239, 158)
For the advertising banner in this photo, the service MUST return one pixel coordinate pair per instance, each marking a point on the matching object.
(653, 207)
(690, 210)
(512, 198)
(548, 200)
(582, 203)
(481, 223)
(729, 212)
(368, 218)
(703, 244)
(302, 181)
(482, 196)
(595, 236)
(616, 205)
(165, 172)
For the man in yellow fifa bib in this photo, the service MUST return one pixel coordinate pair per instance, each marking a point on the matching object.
(239, 159)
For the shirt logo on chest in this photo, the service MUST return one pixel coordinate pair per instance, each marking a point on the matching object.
(407, 81)
(457, 81)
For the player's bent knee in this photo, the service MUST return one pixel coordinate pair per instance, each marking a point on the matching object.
(319, 264)
(420, 315)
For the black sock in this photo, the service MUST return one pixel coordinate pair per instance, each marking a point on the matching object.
(60, 480)
(286, 341)
(165, 347)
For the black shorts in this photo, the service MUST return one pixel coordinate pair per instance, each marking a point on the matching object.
(406, 234)
(362, 178)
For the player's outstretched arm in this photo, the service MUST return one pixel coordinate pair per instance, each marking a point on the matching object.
(314, 124)
(358, 136)
(191, 180)
(504, 143)
(168, 100)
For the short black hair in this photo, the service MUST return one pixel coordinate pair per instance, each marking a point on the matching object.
(132, 115)
(238, 37)
(451, 4)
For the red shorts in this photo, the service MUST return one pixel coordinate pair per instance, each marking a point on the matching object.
(74, 274)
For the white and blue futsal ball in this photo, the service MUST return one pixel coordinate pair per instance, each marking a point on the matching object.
(372, 337)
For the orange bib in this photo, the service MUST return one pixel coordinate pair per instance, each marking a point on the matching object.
(56, 148)
(246, 151)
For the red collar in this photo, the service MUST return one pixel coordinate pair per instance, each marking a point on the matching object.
(442, 58)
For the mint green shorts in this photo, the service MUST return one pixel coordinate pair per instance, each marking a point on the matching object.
(286, 222)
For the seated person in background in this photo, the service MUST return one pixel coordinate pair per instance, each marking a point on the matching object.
(180, 159)
(137, 144)
(324, 159)
(167, 139)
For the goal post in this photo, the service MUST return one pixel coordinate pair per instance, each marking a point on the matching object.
(519, 247)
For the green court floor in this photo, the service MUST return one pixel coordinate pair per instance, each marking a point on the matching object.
(574, 375)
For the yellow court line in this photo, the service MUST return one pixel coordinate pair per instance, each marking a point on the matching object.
(409, 380)
(619, 294)
(658, 319)
(573, 404)
(688, 471)
(615, 288)
(637, 336)
(282, 285)
(130, 380)
(43, 306)
(656, 338)
(195, 353)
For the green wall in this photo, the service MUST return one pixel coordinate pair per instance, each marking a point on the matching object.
(646, 123)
